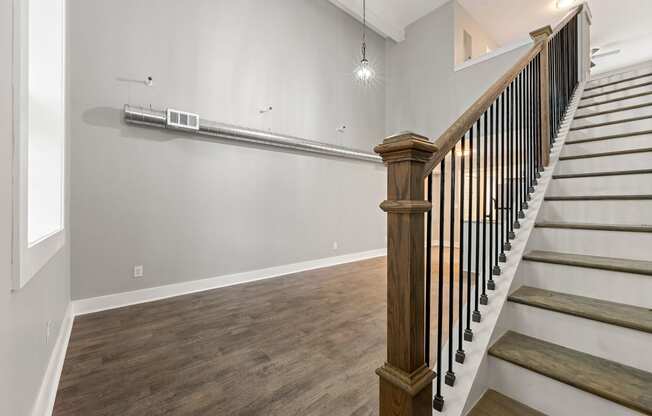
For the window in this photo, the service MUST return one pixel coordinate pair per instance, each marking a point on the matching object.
(39, 134)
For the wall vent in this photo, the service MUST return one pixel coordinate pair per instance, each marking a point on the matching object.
(182, 120)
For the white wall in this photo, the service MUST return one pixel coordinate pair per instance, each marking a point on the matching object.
(481, 39)
(24, 314)
(188, 208)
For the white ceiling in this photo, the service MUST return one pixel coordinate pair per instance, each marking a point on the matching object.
(624, 25)
(390, 17)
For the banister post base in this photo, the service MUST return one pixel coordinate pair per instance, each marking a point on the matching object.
(403, 394)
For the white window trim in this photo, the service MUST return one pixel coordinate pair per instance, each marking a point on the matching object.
(28, 259)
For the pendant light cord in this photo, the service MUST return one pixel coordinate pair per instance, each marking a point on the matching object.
(364, 30)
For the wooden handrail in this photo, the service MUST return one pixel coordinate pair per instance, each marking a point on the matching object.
(567, 19)
(454, 133)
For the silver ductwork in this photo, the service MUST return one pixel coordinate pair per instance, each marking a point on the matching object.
(158, 118)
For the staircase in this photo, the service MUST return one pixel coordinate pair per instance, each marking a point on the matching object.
(577, 328)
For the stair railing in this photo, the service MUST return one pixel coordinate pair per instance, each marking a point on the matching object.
(495, 151)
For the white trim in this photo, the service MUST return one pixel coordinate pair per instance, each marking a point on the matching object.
(493, 54)
(44, 404)
(29, 257)
(101, 303)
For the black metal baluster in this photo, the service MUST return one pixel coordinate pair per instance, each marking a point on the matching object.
(504, 228)
(517, 152)
(428, 269)
(460, 355)
(491, 285)
(552, 98)
(560, 75)
(493, 205)
(527, 139)
(468, 332)
(524, 195)
(450, 374)
(438, 401)
(525, 150)
(512, 163)
(537, 84)
(533, 116)
(484, 300)
(537, 119)
(477, 316)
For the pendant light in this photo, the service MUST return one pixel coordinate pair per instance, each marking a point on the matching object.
(364, 72)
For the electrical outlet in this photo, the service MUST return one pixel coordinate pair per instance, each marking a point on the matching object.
(335, 245)
(48, 326)
(139, 271)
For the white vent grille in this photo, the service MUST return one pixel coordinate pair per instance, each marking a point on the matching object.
(182, 120)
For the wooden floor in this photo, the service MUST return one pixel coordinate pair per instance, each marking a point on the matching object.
(303, 344)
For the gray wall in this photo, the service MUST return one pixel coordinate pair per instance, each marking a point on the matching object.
(188, 208)
(24, 314)
(424, 92)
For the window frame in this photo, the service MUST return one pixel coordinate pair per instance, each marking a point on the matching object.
(28, 258)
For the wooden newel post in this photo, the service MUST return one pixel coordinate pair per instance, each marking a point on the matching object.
(405, 380)
(542, 35)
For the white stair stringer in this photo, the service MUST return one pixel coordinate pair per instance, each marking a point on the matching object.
(472, 377)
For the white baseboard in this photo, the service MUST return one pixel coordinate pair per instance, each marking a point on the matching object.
(101, 303)
(44, 404)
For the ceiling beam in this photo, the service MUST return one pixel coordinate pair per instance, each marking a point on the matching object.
(384, 27)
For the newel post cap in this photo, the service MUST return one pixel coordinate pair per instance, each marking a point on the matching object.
(541, 33)
(406, 146)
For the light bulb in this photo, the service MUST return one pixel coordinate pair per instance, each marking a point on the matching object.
(365, 72)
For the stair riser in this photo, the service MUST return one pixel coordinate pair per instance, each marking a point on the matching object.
(611, 145)
(628, 288)
(624, 84)
(618, 76)
(625, 245)
(614, 105)
(602, 185)
(612, 117)
(611, 342)
(613, 95)
(620, 128)
(547, 395)
(597, 212)
(634, 161)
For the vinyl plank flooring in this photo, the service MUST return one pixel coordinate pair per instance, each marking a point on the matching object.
(302, 344)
